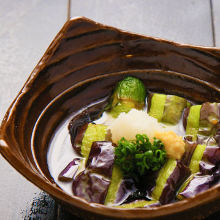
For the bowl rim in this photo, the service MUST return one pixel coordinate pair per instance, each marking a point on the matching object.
(203, 198)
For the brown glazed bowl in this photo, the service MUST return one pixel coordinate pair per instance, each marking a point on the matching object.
(82, 65)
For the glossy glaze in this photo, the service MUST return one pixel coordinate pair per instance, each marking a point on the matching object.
(81, 66)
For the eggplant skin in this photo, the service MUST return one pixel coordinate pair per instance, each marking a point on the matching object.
(77, 141)
(91, 186)
(125, 190)
(206, 168)
(209, 117)
(178, 176)
(190, 146)
(185, 116)
(101, 158)
(68, 173)
(217, 135)
(200, 183)
(212, 154)
(79, 124)
(77, 128)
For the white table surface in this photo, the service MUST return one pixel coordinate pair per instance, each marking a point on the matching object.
(28, 26)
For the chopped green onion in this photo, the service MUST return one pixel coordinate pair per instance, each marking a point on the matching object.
(137, 157)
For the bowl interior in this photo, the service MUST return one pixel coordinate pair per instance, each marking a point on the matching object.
(97, 90)
(80, 67)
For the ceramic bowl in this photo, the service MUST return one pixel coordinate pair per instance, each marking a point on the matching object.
(82, 65)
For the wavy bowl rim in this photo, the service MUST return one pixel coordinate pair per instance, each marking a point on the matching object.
(213, 194)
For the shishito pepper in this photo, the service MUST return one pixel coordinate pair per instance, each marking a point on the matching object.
(129, 93)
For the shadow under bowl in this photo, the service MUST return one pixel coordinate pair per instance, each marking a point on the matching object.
(81, 66)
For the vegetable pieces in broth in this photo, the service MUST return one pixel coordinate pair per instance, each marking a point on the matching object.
(145, 166)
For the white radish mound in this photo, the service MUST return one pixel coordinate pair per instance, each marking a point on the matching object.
(128, 125)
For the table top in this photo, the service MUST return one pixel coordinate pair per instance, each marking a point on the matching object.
(28, 27)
